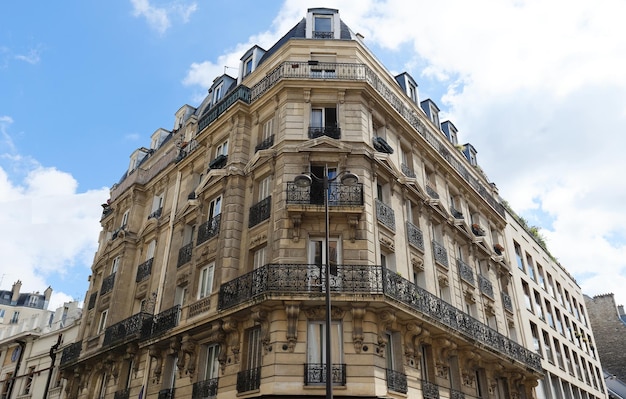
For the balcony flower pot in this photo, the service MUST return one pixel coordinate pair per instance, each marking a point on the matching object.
(498, 248)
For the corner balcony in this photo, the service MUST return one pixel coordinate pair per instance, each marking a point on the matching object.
(318, 131)
(126, 330)
(338, 195)
(160, 323)
(281, 281)
(315, 374)
(71, 352)
(209, 229)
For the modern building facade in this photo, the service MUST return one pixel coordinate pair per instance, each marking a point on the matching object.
(209, 279)
(553, 318)
(30, 352)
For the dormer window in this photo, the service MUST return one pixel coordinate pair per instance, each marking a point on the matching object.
(247, 67)
(217, 92)
(323, 27)
(323, 23)
(432, 111)
(450, 131)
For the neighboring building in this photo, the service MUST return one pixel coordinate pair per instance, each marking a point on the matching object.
(27, 350)
(16, 306)
(609, 327)
(209, 280)
(553, 316)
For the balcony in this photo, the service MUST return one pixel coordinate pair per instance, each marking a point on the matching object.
(209, 229)
(338, 195)
(385, 215)
(485, 286)
(219, 162)
(260, 211)
(144, 270)
(319, 34)
(430, 390)
(249, 380)
(184, 254)
(265, 144)
(415, 236)
(465, 271)
(240, 93)
(315, 374)
(107, 284)
(381, 145)
(160, 323)
(432, 193)
(204, 389)
(456, 213)
(126, 330)
(318, 131)
(507, 302)
(408, 172)
(122, 394)
(71, 352)
(440, 253)
(166, 393)
(396, 381)
(454, 394)
(478, 230)
(289, 280)
(92, 300)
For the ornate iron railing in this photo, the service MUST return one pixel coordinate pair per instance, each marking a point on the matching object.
(485, 286)
(204, 389)
(431, 192)
(249, 380)
(465, 271)
(454, 394)
(160, 323)
(265, 144)
(156, 214)
(240, 93)
(260, 211)
(291, 279)
(126, 329)
(338, 195)
(507, 302)
(122, 394)
(166, 393)
(396, 381)
(209, 229)
(440, 253)
(385, 215)
(219, 162)
(184, 254)
(456, 213)
(71, 352)
(107, 284)
(408, 172)
(92, 300)
(430, 390)
(315, 373)
(415, 236)
(298, 278)
(318, 131)
(320, 34)
(144, 270)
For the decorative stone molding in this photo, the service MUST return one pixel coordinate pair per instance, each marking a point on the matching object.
(258, 240)
(358, 312)
(417, 263)
(292, 310)
(189, 349)
(156, 354)
(411, 353)
(307, 95)
(386, 242)
(230, 327)
(296, 222)
(353, 224)
(259, 315)
(443, 280)
(468, 293)
(386, 318)
(319, 313)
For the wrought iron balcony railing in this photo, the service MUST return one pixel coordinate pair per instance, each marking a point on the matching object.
(385, 215)
(240, 93)
(184, 254)
(430, 390)
(107, 284)
(166, 393)
(265, 144)
(408, 172)
(92, 300)
(122, 394)
(454, 394)
(219, 162)
(507, 302)
(204, 389)
(440, 253)
(126, 330)
(485, 286)
(249, 380)
(260, 211)
(144, 270)
(338, 195)
(209, 229)
(465, 271)
(292, 279)
(156, 214)
(160, 323)
(456, 213)
(315, 374)
(415, 236)
(318, 131)
(431, 192)
(71, 352)
(319, 34)
(396, 381)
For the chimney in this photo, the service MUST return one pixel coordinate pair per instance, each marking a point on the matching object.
(620, 310)
(16, 292)
(47, 293)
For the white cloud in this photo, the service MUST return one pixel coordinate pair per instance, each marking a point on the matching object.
(159, 18)
(32, 57)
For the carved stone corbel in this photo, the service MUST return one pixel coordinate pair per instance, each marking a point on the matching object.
(231, 329)
(385, 321)
(307, 95)
(156, 354)
(412, 332)
(292, 309)
(189, 349)
(353, 223)
(358, 312)
(296, 221)
(259, 315)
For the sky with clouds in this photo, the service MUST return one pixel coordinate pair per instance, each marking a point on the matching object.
(537, 87)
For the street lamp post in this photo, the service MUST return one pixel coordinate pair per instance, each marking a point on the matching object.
(306, 180)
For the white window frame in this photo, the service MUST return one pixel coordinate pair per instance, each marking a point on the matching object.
(103, 321)
(265, 187)
(125, 218)
(215, 207)
(33, 300)
(157, 203)
(317, 258)
(221, 149)
(115, 265)
(150, 249)
(210, 362)
(248, 66)
(319, 17)
(205, 281)
(217, 92)
(268, 129)
(316, 342)
(258, 258)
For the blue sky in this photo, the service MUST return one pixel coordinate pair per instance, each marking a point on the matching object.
(533, 85)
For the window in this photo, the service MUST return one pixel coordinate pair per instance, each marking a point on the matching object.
(250, 378)
(205, 283)
(322, 27)
(217, 92)
(29, 380)
(116, 264)
(531, 268)
(535, 333)
(387, 261)
(541, 281)
(210, 364)
(549, 315)
(529, 304)
(547, 346)
(222, 149)
(215, 207)
(316, 342)
(15, 318)
(103, 321)
(1, 313)
(157, 206)
(33, 300)
(559, 356)
(125, 219)
(568, 360)
(103, 386)
(247, 67)
(265, 188)
(266, 139)
(129, 365)
(538, 308)
(559, 296)
(518, 256)
(150, 249)
(323, 122)
(317, 257)
(413, 92)
(169, 374)
(258, 258)
(550, 285)
(557, 319)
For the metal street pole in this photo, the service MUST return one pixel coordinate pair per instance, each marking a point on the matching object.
(329, 364)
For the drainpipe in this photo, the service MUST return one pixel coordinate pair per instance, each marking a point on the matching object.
(17, 367)
(53, 357)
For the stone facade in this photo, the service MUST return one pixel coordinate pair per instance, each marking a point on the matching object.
(610, 333)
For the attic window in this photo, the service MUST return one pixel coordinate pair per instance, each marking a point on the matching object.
(322, 28)
(217, 92)
(247, 66)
